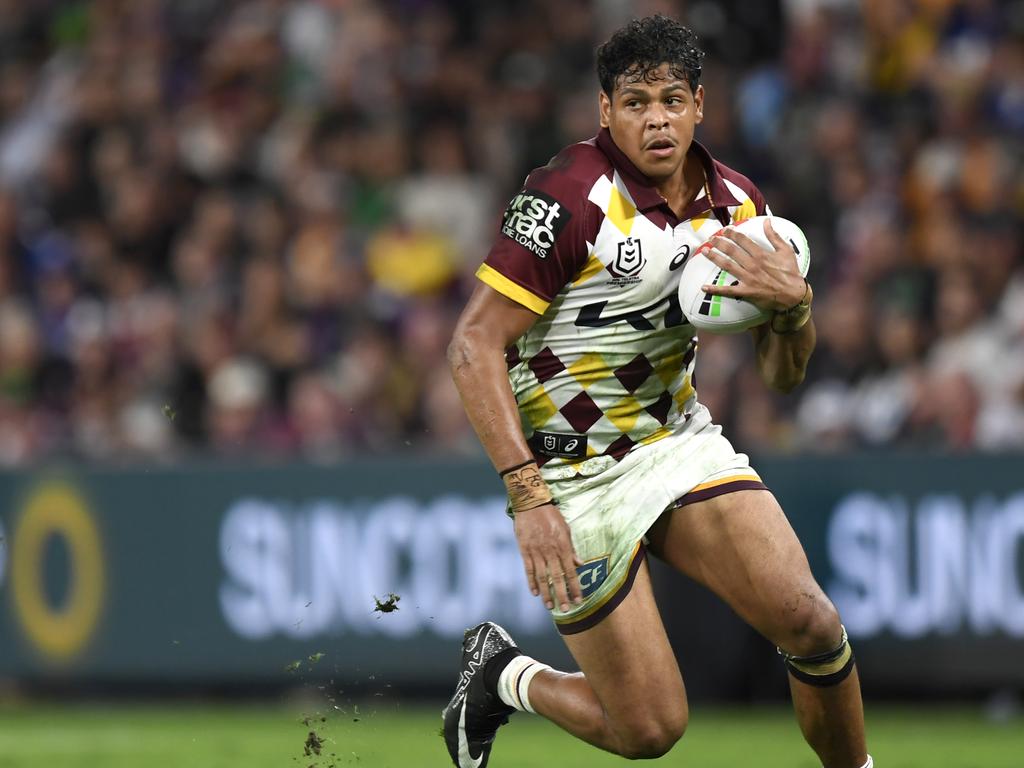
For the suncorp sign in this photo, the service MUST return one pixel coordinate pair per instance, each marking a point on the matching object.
(939, 565)
(302, 570)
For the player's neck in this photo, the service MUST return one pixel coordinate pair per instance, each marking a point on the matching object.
(682, 187)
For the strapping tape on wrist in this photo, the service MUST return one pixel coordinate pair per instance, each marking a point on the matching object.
(526, 488)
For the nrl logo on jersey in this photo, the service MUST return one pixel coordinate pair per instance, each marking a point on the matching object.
(629, 261)
(534, 219)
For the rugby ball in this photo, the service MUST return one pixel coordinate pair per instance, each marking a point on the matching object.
(724, 314)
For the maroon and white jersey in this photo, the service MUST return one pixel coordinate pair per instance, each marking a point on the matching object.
(590, 246)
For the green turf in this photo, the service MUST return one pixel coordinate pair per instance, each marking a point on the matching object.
(384, 734)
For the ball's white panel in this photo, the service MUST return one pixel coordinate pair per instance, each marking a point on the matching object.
(722, 314)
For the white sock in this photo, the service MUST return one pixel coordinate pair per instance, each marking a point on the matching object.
(869, 764)
(514, 682)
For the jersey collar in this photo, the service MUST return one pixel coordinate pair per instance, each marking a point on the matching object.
(643, 192)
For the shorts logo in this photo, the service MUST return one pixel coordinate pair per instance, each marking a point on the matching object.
(534, 220)
(592, 575)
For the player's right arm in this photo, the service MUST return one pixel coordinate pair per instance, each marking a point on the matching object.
(488, 325)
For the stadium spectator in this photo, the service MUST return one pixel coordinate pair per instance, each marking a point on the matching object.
(294, 183)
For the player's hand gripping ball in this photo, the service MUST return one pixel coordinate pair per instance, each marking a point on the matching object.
(725, 314)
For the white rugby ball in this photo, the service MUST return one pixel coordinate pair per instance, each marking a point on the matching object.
(724, 314)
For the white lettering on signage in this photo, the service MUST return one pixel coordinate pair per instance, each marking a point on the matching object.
(312, 569)
(939, 567)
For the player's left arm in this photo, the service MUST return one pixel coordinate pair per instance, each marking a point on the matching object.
(782, 357)
(770, 280)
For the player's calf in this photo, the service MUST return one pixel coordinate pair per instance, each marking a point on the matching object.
(646, 734)
(632, 725)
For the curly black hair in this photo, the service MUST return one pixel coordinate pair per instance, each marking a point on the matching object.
(635, 52)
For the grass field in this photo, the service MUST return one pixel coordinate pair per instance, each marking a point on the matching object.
(381, 735)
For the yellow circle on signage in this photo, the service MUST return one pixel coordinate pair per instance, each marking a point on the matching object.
(59, 632)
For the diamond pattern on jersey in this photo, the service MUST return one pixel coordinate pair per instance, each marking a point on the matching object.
(683, 394)
(661, 408)
(668, 370)
(686, 390)
(538, 407)
(581, 412)
(616, 404)
(590, 367)
(621, 447)
(546, 365)
(634, 373)
(625, 413)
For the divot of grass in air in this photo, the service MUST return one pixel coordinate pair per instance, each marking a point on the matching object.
(388, 604)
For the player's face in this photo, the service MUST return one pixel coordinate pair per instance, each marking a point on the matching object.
(653, 122)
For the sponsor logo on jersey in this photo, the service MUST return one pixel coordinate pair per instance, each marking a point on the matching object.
(592, 575)
(680, 258)
(560, 446)
(534, 220)
(629, 261)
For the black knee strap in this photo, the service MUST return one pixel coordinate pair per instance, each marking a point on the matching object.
(822, 669)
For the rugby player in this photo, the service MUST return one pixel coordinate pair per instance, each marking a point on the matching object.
(575, 366)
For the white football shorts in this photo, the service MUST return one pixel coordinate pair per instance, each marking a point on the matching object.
(610, 513)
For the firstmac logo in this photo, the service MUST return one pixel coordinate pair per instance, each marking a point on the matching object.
(534, 220)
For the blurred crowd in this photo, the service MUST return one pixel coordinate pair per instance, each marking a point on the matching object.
(244, 228)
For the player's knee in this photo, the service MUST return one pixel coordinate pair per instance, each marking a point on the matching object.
(653, 738)
(813, 626)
